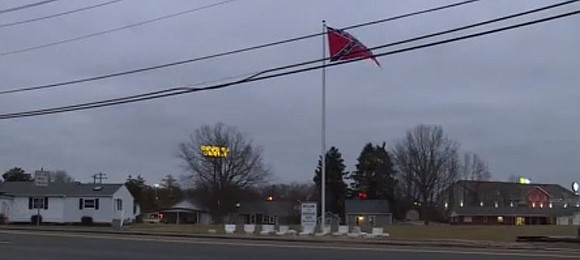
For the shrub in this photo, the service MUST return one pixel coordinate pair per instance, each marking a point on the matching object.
(87, 221)
(36, 218)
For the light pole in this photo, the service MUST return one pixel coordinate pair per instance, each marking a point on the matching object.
(156, 187)
(215, 153)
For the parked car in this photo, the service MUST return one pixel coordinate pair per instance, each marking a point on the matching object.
(153, 218)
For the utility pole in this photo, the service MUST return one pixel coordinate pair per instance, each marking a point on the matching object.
(99, 176)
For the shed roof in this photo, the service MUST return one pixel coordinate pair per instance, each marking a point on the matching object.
(272, 208)
(185, 206)
(367, 206)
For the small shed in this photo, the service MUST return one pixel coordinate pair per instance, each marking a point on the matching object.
(186, 212)
(375, 213)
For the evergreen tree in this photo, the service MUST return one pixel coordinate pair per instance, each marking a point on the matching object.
(336, 188)
(169, 192)
(374, 177)
(142, 193)
(16, 174)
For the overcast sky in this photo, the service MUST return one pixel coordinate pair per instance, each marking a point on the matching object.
(511, 97)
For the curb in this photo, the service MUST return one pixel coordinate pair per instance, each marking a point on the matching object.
(303, 239)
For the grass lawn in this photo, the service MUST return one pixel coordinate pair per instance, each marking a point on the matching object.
(408, 232)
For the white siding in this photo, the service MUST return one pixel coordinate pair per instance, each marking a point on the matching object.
(74, 215)
(19, 211)
(569, 220)
(66, 210)
(5, 206)
(128, 203)
(107, 208)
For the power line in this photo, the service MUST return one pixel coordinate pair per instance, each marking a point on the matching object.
(151, 95)
(112, 30)
(22, 7)
(256, 78)
(59, 14)
(155, 67)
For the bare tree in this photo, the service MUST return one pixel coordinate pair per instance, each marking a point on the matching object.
(428, 163)
(473, 168)
(223, 178)
(294, 192)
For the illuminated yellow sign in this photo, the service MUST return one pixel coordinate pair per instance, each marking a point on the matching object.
(523, 180)
(214, 151)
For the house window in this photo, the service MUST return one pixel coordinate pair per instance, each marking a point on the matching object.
(484, 219)
(119, 204)
(38, 203)
(467, 219)
(265, 219)
(88, 203)
(500, 219)
(252, 219)
(272, 220)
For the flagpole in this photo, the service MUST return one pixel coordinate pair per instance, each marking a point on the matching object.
(323, 129)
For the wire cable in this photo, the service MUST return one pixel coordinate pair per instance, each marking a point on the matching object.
(22, 7)
(280, 74)
(59, 14)
(374, 48)
(160, 66)
(112, 30)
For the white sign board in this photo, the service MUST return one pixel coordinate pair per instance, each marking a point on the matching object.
(308, 214)
(41, 178)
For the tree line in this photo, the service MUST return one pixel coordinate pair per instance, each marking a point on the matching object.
(411, 174)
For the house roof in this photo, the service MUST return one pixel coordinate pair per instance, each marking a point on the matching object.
(516, 190)
(513, 211)
(367, 206)
(271, 208)
(58, 189)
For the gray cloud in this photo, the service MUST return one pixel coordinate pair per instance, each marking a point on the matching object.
(511, 97)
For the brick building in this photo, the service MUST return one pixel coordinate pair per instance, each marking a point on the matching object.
(507, 203)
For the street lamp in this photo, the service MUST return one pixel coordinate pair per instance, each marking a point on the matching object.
(156, 185)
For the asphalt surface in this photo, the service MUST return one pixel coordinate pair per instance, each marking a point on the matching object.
(51, 245)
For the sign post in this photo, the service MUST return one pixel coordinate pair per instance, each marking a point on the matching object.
(216, 153)
(41, 178)
(308, 216)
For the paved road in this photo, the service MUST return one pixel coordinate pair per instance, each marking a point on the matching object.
(51, 246)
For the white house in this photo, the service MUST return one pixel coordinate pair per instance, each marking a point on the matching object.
(66, 202)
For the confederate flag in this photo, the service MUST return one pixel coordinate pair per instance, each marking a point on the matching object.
(344, 46)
